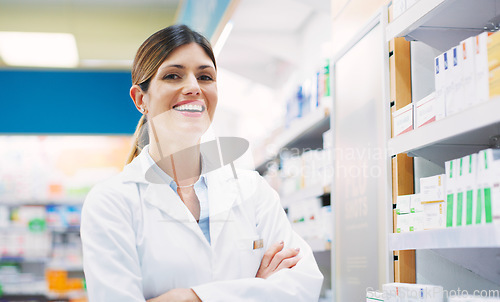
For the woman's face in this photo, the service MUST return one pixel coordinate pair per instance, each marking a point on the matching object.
(182, 95)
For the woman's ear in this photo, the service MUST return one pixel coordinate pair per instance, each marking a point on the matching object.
(138, 95)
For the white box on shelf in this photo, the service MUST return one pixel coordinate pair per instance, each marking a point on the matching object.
(439, 83)
(434, 214)
(416, 204)
(403, 223)
(451, 169)
(399, 292)
(417, 221)
(454, 91)
(481, 68)
(469, 187)
(372, 296)
(426, 111)
(398, 8)
(468, 77)
(488, 183)
(403, 120)
(432, 188)
(432, 196)
(403, 203)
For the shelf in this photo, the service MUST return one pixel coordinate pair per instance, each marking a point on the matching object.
(62, 202)
(452, 137)
(474, 236)
(301, 134)
(311, 192)
(442, 24)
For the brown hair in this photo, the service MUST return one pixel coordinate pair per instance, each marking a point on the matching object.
(150, 55)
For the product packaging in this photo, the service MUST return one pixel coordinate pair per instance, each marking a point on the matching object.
(488, 186)
(467, 77)
(403, 120)
(439, 83)
(481, 68)
(404, 292)
(416, 204)
(468, 187)
(426, 111)
(432, 196)
(453, 90)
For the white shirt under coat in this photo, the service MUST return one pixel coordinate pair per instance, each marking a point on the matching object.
(140, 241)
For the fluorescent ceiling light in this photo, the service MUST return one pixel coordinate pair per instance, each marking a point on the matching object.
(38, 49)
(222, 38)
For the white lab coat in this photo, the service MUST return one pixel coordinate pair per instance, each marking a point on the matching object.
(140, 241)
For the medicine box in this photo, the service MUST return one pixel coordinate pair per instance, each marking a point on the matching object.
(402, 223)
(488, 186)
(415, 204)
(427, 111)
(439, 83)
(467, 77)
(403, 204)
(403, 120)
(404, 292)
(481, 67)
(468, 187)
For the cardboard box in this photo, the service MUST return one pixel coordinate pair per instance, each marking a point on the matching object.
(403, 204)
(399, 292)
(494, 82)
(468, 77)
(427, 111)
(416, 204)
(440, 85)
(416, 221)
(403, 120)
(403, 223)
(434, 214)
(453, 87)
(488, 187)
(467, 185)
(481, 67)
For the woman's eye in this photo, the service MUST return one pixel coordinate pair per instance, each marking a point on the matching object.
(205, 78)
(171, 76)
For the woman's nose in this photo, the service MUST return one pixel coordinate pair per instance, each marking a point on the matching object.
(191, 86)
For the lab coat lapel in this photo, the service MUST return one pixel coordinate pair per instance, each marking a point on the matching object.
(222, 195)
(160, 195)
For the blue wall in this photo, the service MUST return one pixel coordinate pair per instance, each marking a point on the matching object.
(66, 102)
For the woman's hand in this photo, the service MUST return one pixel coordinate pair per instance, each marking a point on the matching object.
(177, 295)
(277, 258)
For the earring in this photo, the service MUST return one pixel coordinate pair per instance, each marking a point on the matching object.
(142, 109)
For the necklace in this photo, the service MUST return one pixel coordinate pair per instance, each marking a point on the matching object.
(185, 186)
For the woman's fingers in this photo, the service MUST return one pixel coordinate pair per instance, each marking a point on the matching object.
(288, 263)
(282, 255)
(269, 254)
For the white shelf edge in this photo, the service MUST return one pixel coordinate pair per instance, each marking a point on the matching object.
(412, 18)
(473, 236)
(476, 117)
(297, 128)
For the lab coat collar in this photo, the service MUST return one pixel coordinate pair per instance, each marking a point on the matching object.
(222, 195)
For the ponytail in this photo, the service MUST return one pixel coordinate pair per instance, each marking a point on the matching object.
(141, 139)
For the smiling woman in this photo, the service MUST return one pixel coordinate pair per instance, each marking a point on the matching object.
(195, 235)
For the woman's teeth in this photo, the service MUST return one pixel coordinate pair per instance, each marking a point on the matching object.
(189, 107)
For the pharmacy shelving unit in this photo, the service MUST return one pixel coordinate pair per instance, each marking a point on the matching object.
(442, 24)
(304, 132)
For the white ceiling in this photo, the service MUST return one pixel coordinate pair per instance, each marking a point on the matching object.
(265, 43)
(263, 46)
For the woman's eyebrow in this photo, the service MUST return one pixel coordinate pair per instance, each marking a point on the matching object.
(205, 67)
